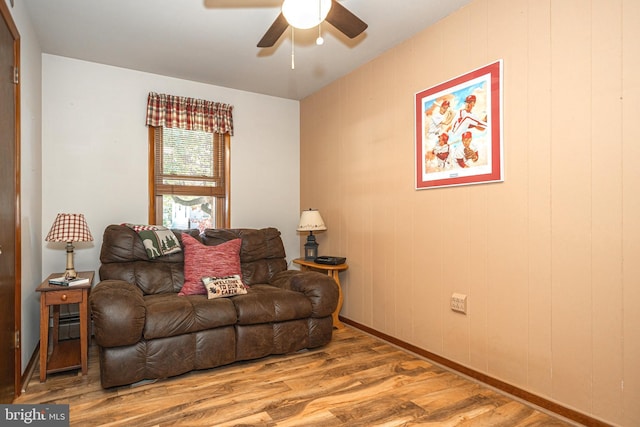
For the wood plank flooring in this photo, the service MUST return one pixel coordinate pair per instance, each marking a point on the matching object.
(357, 380)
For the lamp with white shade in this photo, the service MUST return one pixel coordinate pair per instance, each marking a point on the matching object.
(311, 220)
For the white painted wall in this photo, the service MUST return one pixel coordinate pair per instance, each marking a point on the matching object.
(31, 179)
(94, 148)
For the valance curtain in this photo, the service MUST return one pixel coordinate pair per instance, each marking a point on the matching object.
(189, 113)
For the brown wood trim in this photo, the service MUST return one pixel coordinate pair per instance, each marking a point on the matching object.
(189, 190)
(8, 18)
(479, 376)
(13, 29)
(151, 176)
(31, 368)
(18, 247)
(227, 180)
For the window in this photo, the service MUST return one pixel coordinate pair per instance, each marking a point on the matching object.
(188, 161)
(188, 178)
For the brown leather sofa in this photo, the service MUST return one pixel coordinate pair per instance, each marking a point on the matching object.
(145, 331)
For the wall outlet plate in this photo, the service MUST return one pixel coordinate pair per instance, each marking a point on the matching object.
(459, 303)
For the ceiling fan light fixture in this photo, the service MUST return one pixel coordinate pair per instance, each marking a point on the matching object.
(304, 14)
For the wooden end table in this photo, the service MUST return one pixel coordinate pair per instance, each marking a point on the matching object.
(67, 354)
(333, 272)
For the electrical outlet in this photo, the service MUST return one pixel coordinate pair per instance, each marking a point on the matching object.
(459, 303)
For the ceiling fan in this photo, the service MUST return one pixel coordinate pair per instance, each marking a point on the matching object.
(328, 10)
(320, 10)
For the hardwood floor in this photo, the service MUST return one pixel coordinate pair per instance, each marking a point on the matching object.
(357, 380)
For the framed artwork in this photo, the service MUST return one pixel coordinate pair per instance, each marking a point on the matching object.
(459, 130)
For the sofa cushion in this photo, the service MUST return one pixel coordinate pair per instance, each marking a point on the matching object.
(262, 252)
(202, 261)
(124, 257)
(266, 303)
(168, 315)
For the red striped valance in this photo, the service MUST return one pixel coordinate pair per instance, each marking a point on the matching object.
(188, 113)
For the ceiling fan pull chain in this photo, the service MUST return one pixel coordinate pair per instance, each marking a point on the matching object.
(319, 40)
(293, 54)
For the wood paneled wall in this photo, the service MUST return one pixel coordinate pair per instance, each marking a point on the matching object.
(550, 258)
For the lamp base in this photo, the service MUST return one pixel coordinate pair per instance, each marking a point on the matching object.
(70, 272)
(311, 248)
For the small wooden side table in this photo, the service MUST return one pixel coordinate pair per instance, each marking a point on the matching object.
(333, 272)
(67, 354)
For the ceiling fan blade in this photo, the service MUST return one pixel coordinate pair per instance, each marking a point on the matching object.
(345, 21)
(274, 32)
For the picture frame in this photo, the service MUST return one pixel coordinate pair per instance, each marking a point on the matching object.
(458, 130)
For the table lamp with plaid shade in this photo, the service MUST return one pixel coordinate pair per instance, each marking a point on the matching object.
(69, 228)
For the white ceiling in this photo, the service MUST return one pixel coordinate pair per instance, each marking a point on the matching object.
(214, 41)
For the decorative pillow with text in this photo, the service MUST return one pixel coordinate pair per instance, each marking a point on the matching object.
(221, 287)
(208, 261)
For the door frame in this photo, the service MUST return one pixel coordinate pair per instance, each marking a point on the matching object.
(13, 29)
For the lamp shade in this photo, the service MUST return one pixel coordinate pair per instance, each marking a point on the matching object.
(310, 220)
(69, 228)
(305, 14)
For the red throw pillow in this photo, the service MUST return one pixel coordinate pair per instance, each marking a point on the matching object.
(202, 260)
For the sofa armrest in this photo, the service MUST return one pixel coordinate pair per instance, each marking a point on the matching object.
(118, 311)
(321, 289)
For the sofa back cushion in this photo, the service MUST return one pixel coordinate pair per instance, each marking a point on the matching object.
(262, 253)
(124, 257)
